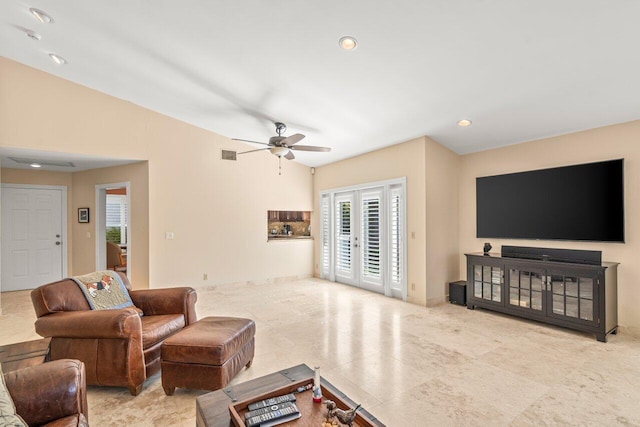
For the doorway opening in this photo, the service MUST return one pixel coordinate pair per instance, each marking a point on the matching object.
(113, 227)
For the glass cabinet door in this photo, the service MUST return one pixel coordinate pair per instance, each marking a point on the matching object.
(526, 289)
(487, 282)
(572, 297)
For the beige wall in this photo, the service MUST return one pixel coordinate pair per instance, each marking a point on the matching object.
(40, 177)
(216, 209)
(612, 142)
(84, 195)
(442, 250)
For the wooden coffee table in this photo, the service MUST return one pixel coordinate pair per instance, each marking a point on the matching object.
(212, 409)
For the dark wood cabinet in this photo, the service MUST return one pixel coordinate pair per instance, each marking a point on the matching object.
(576, 296)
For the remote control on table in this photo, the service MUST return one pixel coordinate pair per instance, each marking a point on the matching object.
(266, 409)
(289, 413)
(273, 401)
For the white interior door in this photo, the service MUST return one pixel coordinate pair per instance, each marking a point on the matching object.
(32, 236)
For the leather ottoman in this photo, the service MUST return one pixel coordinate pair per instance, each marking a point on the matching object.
(207, 354)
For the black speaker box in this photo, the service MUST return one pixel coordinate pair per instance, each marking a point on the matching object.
(458, 292)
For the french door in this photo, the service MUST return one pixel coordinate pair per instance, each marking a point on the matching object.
(363, 238)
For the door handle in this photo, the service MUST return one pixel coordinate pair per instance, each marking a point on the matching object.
(58, 243)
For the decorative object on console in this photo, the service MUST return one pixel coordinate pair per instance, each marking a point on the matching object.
(486, 248)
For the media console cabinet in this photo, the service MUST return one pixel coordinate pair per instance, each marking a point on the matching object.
(573, 295)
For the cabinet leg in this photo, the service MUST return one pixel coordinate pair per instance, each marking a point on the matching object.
(601, 337)
(470, 306)
(614, 332)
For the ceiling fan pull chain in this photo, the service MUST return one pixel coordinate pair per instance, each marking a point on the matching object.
(279, 165)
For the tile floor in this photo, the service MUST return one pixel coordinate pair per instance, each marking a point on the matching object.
(408, 365)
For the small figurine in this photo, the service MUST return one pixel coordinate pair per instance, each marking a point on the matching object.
(346, 417)
(331, 406)
(486, 248)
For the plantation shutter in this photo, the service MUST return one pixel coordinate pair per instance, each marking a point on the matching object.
(325, 211)
(396, 243)
(371, 236)
(343, 235)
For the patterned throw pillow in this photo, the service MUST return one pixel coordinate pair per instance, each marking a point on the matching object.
(8, 416)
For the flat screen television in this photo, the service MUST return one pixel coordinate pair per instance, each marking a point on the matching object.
(578, 202)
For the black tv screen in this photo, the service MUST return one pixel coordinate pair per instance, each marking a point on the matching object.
(580, 202)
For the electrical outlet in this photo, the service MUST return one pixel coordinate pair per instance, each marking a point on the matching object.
(205, 276)
(168, 235)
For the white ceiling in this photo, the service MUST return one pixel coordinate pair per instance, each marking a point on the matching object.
(519, 69)
(16, 158)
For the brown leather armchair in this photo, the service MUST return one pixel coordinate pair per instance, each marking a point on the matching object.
(119, 347)
(52, 394)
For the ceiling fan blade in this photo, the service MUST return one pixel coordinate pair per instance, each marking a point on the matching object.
(289, 156)
(290, 140)
(252, 151)
(246, 140)
(310, 148)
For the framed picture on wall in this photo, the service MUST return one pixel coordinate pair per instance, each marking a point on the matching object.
(83, 214)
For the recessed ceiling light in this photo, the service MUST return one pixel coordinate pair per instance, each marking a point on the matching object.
(348, 43)
(41, 16)
(35, 165)
(464, 123)
(33, 35)
(57, 59)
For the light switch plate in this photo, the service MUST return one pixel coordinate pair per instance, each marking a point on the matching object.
(168, 235)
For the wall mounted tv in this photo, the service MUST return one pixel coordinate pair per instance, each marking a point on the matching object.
(579, 202)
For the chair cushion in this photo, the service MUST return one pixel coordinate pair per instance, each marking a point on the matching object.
(209, 341)
(158, 327)
(8, 416)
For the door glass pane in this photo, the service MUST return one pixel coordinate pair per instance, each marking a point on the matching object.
(557, 285)
(536, 282)
(486, 274)
(486, 293)
(477, 289)
(586, 287)
(571, 286)
(477, 273)
(525, 280)
(496, 275)
(558, 304)
(514, 296)
(586, 309)
(525, 294)
(536, 300)
(513, 277)
(495, 296)
(572, 307)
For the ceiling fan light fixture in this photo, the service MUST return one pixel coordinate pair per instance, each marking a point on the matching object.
(41, 16)
(348, 43)
(464, 123)
(57, 59)
(35, 165)
(279, 151)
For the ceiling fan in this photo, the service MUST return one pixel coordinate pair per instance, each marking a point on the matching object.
(283, 146)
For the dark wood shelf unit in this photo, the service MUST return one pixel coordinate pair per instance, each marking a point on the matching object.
(573, 295)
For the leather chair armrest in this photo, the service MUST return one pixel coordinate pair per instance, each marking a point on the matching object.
(120, 323)
(47, 392)
(180, 300)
